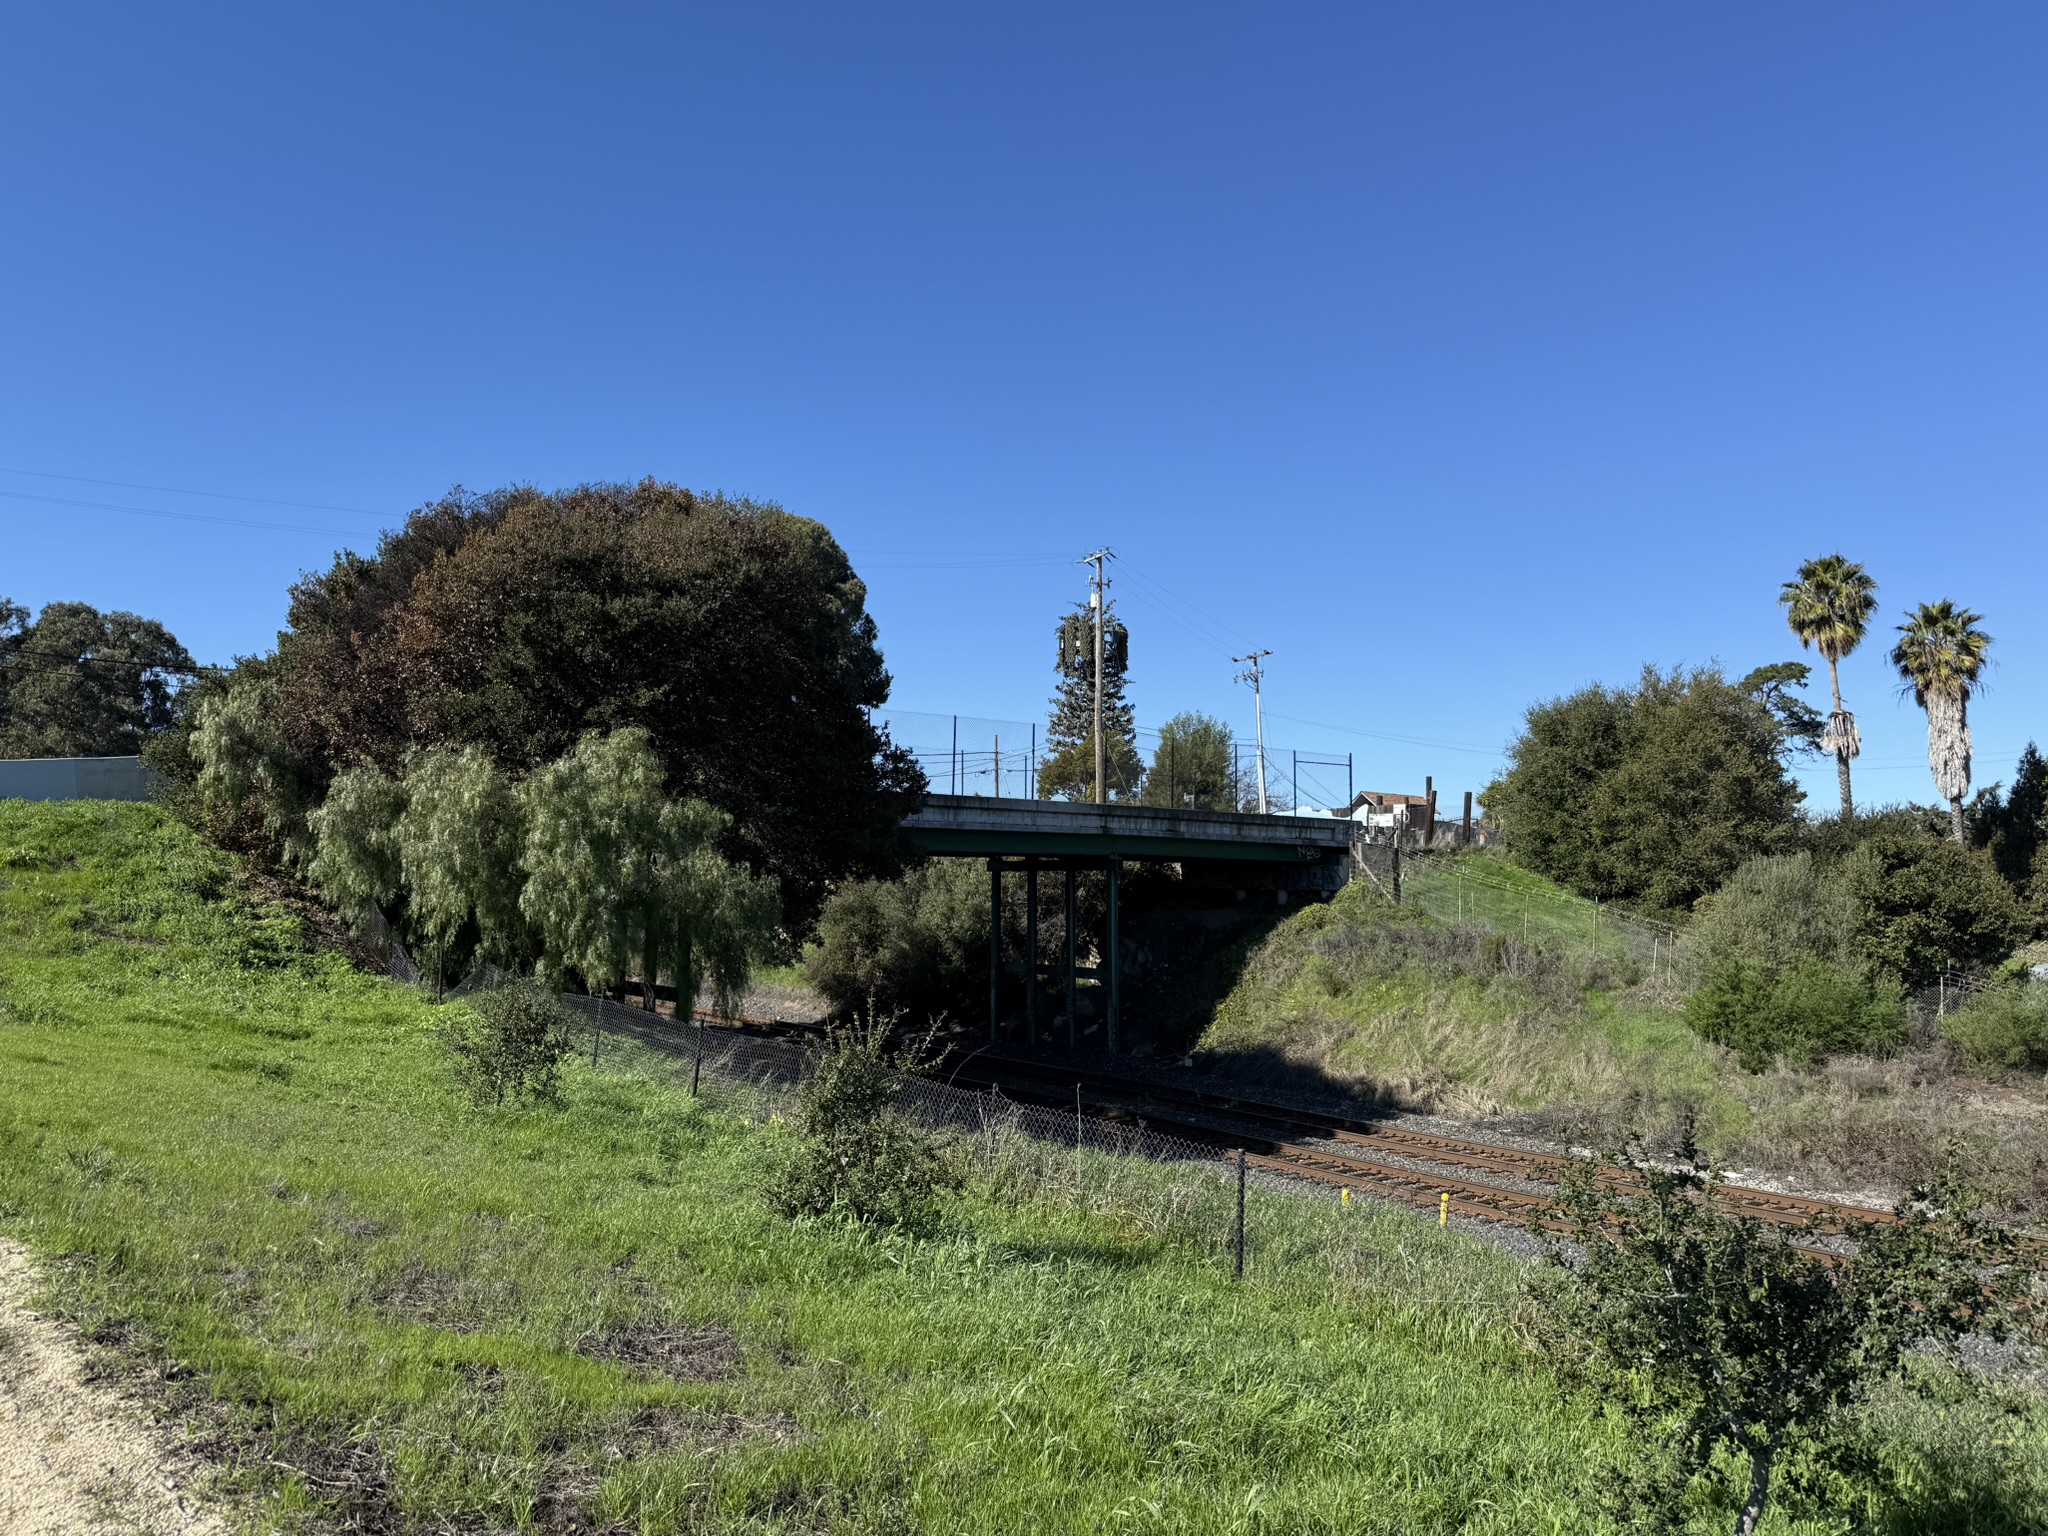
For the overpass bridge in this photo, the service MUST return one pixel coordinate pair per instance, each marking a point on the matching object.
(1311, 855)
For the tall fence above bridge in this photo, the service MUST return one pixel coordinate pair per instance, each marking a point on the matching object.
(977, 755)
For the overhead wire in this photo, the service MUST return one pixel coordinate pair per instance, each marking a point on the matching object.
(173, 490)
(43, 663)
(182, 517)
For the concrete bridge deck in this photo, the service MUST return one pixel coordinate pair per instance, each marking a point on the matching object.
(981, 826)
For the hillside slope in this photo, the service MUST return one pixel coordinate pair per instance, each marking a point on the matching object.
(250, 1172)
(1489, 994)
(1458, 1017)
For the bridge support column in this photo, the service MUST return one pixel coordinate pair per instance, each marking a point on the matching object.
(1116, 869)
(995, 947)
(1073, 979)
(1031, 951)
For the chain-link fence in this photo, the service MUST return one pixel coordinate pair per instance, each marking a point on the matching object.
(973, 755)
(1193, 1193)
(759, 1076)
(389, 949)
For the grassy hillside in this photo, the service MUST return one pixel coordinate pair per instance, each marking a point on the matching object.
(1518, 902)
(246, 1165)
(1467, 1017)
(250, 1161)
(1491, 992)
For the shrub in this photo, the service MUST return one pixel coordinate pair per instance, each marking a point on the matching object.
(1925, 905)
(1729, 1350)
(917, 946)
(1809, 1011)
(509, 1043)
(2002, 1030)
(1775, 912)
(857, 1154)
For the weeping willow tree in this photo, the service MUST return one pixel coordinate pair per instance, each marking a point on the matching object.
(593, 825)
(459, 840)
(1829, 608)
(248, 782)
(356, 863)
(619, 873)
(1941, 655)
(587, 866)
(715, 919)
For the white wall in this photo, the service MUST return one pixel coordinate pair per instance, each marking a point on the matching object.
(74, 778)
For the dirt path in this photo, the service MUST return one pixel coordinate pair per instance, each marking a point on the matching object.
(76, 1459)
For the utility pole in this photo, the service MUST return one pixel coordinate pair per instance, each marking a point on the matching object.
(1255, 674)
(1099, 612)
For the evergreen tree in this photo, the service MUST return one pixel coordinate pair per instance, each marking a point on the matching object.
(1191, 765)
(619, 873)
(13, 628)
(1652, 794)
(587, 866)
(2012, 825)
(1069, 769)
(593, 830)
(735, 634)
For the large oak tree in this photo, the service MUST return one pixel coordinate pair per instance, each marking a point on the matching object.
(734, 633)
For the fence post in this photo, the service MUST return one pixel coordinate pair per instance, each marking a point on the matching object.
(1077, 1138)
(697, 1066)
(1240, 1213)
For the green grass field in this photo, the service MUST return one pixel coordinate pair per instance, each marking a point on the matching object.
(250, 1163)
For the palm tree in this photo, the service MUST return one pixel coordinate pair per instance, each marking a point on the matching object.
(1940, 654)
(1829, 609)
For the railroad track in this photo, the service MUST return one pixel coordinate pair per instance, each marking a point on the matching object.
(1458, 1175)
(1334, 1149)
(1315, 1146)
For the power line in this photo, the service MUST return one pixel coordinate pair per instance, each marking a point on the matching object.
(172, 490)
(182, 517)
(1412, 741)
(1198, 621)
(34, 663)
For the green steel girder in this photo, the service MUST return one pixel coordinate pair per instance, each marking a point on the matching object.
(963, 843)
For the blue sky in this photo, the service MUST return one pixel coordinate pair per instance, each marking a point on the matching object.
(1458, 354)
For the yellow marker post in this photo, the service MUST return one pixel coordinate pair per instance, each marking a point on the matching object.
(1344, 1197)
(1443, 1211)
